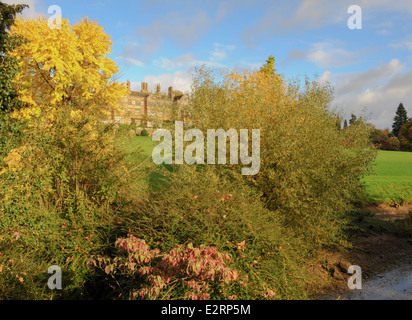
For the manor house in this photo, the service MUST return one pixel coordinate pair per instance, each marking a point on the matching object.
(150, 109)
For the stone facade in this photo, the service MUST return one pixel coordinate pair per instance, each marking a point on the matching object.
(150, 109)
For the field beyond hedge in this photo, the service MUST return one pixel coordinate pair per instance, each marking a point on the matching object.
(392, 181)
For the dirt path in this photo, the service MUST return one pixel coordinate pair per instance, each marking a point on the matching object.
(381, 244)
(390, 213)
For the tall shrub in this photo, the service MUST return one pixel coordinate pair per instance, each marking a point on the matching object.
(310, 169)
(198, 206)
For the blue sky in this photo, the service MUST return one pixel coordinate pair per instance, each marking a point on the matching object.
(163, 41)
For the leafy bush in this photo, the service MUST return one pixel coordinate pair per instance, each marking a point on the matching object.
(310, 169)
(144, 133)
(11, 133)
(394, 144)
(187, 270)
(125, 128)
(196, 205)
(60, 190)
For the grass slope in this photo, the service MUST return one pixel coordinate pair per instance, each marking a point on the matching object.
(392, 181)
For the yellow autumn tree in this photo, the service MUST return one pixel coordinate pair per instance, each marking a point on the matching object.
(60, 183)
(68, 84)
(67, 65)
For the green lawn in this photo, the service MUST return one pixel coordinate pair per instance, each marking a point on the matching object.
(142, 146)
(140, 150)
(392, 181)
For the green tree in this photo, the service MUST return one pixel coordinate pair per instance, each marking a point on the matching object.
(10, 129)
(394, 143)
(269, 66)
(353, 119)
(400, 119)
(405, 136)
(345, 124)
(377, 136)
(8, 65)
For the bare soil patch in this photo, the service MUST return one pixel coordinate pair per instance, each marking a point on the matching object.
(390, 212)
(381, 244)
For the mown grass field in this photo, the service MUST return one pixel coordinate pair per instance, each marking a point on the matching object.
(392, 181)
(143, 146)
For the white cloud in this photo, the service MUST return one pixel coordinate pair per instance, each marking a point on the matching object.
(247, 66)
(130, 61)
(386, 6)
(316, 13)
(403, 44)
(183, 24)
(325, 55)
(164, 63)
(189, 60)
(220, 51)
(218, 55)
(281, 18)
(179, 80)
(383, 32)
(372, 78)
(182, 27)
(325, 77)
(385, 28)
(379, 89)
(307, 15)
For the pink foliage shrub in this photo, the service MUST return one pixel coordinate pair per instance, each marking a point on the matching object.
(187, 271)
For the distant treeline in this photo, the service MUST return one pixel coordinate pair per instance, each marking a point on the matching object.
(397, 139)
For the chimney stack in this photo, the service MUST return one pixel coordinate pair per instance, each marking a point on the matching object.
(128, 85)
(170, 92)
(144, 87)
(158, 91)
